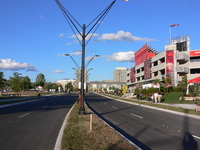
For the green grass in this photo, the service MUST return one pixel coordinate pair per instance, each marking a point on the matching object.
(171, 98)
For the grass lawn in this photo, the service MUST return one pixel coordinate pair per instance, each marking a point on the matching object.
(77, 134)
(171, 98)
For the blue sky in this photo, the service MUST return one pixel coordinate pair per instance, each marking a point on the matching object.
(34, 35)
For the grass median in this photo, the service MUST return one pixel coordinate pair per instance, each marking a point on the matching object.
(80, 135)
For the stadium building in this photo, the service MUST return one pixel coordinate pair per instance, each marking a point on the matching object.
(177, 60)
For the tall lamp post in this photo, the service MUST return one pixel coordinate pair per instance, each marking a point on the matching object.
(91, 60)
(73, 60)
(71, 21)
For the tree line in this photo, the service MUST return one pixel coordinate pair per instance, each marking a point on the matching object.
(19, 83)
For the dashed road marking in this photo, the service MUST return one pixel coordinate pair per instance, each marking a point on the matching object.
(114, 107)
(136, 116)
(197, 137)
(24, 115)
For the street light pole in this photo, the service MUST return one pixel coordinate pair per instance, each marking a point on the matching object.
(82, 108)
(73, 60)
(71, 21)
(91, 60)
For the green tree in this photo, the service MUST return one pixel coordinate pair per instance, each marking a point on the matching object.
(26, 83)
(69, 87)
(48, 86)
(54, 86)
(183, 84)
(2, 81)
(40, 80)
(16, 82)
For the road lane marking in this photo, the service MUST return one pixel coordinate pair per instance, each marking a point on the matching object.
(44, 106)
(197, 137)
(114, 107)
(136, 115)
(24, 115)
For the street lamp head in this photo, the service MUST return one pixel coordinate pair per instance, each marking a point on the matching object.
(66, 54)
(97, 55)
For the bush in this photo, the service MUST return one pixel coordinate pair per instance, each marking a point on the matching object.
(176, 89)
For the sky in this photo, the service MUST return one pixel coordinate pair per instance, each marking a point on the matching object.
(35, 35)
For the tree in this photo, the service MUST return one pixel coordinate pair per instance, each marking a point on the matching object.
(2, 80)
(16, 82)
(26, 83)
(168, 82)
(183, 84)
(48, 86)
(69, 87)
(40, 80)
(54, 86)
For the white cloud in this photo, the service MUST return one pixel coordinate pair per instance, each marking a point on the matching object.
(58, 71)
(91, 57)
(69, 43)
(121, 56)
(123, 36)
(32, 69)
(9, 64)
(40, 16)
(87, 38)
(61, 34)
(76, 53)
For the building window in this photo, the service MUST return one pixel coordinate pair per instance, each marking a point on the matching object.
(155, 73)
(142, 77)
(195, 71)
(155, 63)
(138, 71)
(162, 60)
(195, 59)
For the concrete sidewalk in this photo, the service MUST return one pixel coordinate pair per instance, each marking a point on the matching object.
(186, 106)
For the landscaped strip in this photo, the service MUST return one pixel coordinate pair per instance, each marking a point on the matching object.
(143, 102)
(77, 134)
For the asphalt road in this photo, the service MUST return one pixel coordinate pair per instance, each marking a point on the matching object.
(34, 125)
(148, 128)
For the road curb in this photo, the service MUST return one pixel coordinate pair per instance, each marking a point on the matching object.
(60, 135)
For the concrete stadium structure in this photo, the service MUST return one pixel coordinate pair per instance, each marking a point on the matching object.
(177, 60)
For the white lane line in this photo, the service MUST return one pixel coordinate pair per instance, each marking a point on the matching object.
(105, 103)
(114, 107)
(197, 137)
(24, 115)
(136, 115)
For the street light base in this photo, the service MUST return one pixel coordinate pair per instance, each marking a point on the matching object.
(82, 111)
